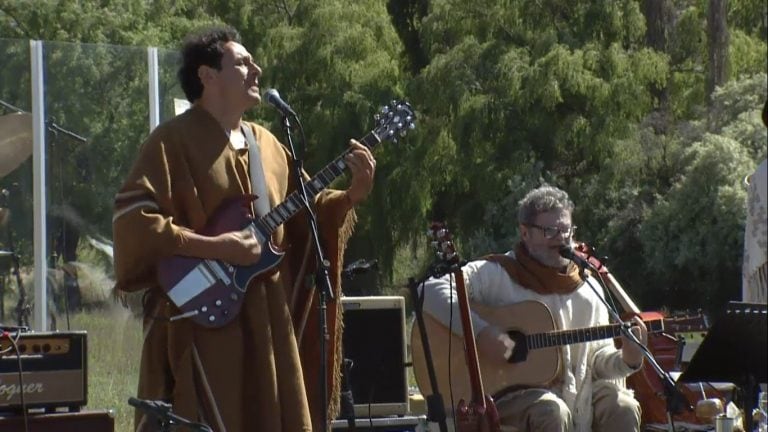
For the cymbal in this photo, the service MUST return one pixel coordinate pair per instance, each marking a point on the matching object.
(15, 141)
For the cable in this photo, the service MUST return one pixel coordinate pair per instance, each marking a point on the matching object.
(21, 376)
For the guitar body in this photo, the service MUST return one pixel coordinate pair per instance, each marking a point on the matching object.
(541, 365)
(211, 292)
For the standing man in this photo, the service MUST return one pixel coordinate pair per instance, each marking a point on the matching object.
(246, 375)
(582, 397)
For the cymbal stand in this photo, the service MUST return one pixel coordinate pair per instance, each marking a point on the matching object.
(10, 107)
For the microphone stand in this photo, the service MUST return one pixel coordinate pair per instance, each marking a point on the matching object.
(435, 405)
(165, 416)
(675, 400)
(322, 278)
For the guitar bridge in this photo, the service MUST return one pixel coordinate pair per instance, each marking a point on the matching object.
(221, 275)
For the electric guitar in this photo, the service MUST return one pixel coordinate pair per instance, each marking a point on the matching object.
(210, 292)
(475, 411)
(536, 358)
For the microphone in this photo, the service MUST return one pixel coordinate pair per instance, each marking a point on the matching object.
(272, 97)
(567, 252)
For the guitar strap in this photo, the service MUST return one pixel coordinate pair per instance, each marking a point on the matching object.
(256, 171)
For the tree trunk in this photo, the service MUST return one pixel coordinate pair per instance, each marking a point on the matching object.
(406, 17)
(658, 17)
(717, 34)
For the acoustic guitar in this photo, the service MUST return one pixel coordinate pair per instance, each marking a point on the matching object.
(536, 358)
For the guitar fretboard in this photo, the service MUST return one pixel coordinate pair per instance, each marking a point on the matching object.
(568, 337)
(268, 223)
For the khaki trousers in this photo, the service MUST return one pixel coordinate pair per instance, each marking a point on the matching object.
(537, 410)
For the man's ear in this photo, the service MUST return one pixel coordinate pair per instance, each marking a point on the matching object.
(524, 232)
(206, 74)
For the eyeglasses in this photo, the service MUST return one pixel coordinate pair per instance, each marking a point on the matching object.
(551, 232)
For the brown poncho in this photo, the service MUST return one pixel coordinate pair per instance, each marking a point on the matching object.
(247, 375)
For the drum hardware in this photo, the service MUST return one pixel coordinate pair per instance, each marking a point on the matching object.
(15, 141)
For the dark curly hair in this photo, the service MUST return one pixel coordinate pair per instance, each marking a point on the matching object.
(203, 47)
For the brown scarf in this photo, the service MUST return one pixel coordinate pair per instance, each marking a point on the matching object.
(532, 275)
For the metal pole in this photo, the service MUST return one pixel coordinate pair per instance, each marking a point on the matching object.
(40, 312)
(154, 88)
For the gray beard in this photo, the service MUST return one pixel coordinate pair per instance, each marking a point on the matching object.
(557, 263)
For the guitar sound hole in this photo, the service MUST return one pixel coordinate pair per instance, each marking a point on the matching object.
(520, 352)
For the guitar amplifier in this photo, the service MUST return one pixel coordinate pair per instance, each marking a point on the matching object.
(374, 339)
(53, 371)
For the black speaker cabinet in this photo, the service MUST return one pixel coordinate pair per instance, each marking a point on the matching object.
(374, 339)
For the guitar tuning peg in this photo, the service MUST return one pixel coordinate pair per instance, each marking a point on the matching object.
(376, 117)
(412, 126)
(403, 132)
(385, 109)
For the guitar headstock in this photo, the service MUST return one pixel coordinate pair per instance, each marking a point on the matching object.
(687, 322)
(442, 242)
(394, 120)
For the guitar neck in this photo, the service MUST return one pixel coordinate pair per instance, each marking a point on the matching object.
(588, 334)
(268, 223)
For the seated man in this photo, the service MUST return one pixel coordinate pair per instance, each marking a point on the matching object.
(582, 397)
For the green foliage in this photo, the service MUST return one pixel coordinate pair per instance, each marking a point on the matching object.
(693, 237)
(522, 82)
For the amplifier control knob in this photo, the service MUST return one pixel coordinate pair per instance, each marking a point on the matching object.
(204, 309)
(211, 318)
(47, 348)
(218, 302)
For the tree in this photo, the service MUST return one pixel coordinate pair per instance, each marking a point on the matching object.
(717, 32)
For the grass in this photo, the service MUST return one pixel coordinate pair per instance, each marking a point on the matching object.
(114, 351)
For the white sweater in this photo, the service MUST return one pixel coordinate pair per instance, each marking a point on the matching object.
(489, 284)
